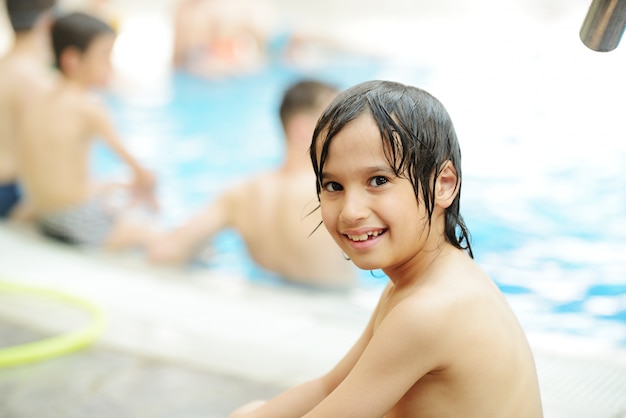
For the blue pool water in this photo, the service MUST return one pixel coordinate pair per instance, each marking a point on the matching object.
(546, 209)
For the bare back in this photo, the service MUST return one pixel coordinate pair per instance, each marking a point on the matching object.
(477, 360)
(23, 80)
(54, 149)
(271, 213)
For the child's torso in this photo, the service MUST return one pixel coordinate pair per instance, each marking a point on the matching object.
(54, 152)
(486, 367)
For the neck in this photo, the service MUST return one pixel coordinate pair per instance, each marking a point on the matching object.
(33, 44)
(297, 160)
(74, 84)
(417, 267)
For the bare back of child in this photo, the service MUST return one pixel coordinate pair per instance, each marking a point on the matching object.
(272, 214)
(442, 341)
(24, 75)
(56, 138)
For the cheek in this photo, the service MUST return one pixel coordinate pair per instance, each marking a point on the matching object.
(329, 213)
(106, 67)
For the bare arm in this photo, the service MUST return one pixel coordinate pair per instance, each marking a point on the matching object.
(144, 181)
(404, 348)
(294, 402)
(297, 401)
(180, 244)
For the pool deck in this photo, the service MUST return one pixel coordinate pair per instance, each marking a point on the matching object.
(199, 343)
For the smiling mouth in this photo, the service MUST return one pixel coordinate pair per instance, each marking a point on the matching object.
(366, 236)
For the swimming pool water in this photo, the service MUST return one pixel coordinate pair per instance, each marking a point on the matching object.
(546, 205)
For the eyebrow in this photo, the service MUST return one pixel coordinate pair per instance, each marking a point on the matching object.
(366, 171)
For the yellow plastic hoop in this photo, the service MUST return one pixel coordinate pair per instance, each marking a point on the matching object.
(59, 344)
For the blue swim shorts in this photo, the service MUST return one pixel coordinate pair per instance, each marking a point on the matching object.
(9, 196)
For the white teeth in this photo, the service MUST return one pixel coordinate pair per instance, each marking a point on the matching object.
(363, 237)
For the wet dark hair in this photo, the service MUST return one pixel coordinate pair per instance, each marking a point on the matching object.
(23, 14)
(417, 135)
(305, 96)
(76, 30)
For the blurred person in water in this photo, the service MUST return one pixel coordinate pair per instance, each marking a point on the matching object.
(219, 38)
(216, 38)
(24, 75)
(274, 212)
(55, 141)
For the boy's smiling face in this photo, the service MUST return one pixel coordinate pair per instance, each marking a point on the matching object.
(371, 213)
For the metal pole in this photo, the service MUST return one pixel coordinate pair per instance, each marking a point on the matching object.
(604, 25)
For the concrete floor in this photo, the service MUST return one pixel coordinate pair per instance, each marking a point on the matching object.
(98, 382)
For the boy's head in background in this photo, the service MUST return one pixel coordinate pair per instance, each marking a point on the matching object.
(82, 47)
(24, 14)
(303, 102)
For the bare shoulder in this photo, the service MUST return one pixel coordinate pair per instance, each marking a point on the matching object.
(257, 186)
(242, 190)
(462, 327)
(455, 302)
(15, 76)
(419, 315)
(93, 106)
(93, 112)
(422, 315)
(238, 195)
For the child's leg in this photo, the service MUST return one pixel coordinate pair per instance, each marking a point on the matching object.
(126, 234)
(23, 212)
(178, 245)
(132, 226)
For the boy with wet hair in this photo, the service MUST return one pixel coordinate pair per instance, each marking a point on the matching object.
(24, 74)
(442, 341)
(55, 145)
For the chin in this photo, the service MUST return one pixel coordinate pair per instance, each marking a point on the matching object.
(366, 265)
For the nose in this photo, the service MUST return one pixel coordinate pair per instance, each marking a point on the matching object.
(355, 207)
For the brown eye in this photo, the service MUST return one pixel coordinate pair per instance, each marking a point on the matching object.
(332, 186)
(378, 181)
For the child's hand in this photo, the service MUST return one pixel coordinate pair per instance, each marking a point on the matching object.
(144, 186)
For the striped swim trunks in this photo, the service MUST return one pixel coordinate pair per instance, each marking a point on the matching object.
(88, 224)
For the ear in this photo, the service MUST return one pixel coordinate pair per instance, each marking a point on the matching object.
(446, 188)
(69, 60)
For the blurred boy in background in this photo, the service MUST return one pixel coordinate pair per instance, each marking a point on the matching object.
(24, 75)
(272, 211)
(55, 144)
